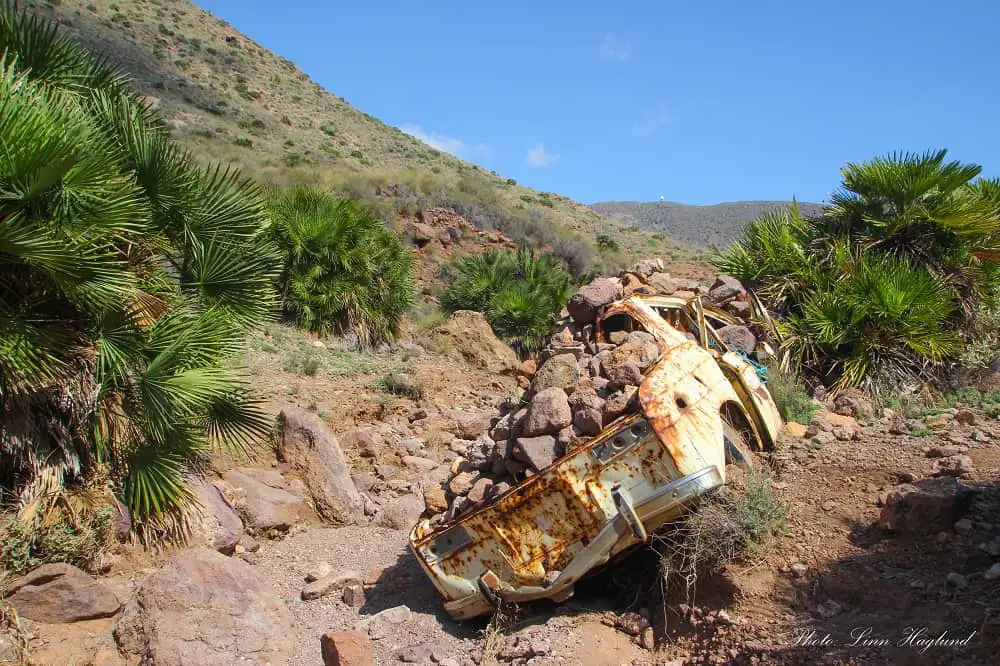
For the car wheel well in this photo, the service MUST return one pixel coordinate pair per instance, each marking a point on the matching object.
(734, 416)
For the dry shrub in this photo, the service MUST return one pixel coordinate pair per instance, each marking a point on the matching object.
(738, 523)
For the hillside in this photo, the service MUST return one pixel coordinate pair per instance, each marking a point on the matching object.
(694, 225)
(228, 99)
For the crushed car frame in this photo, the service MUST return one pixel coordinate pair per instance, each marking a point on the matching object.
(701, 407)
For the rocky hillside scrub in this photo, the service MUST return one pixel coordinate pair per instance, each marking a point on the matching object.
(230, 100)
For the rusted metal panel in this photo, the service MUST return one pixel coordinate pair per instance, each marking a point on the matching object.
(516, 544)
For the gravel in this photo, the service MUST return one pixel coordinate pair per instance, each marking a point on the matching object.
(362, 548)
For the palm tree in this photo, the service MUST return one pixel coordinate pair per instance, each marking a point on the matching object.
(519, 292)
(128, 280)
(924, 209)
(882, 287)
(342, 269)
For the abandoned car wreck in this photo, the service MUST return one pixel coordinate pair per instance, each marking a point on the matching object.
(698, 406)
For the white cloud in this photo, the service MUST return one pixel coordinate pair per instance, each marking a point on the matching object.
(614, 48)
(442, 142)
(538, 157)
(651, 121)
(445, 143)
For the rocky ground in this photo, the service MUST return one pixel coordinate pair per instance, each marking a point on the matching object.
(838, 576)
(301, 554)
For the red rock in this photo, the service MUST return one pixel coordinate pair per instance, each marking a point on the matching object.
(347, 648)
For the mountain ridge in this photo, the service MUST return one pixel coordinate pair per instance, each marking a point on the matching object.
(692, 224)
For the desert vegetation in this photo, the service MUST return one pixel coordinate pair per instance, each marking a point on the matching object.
(342, 270)
(130, 277)
(898, 278)
(520, 293)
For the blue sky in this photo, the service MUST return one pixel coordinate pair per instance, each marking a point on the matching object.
(698, 102)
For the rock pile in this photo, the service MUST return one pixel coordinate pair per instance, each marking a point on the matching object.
(573, 389)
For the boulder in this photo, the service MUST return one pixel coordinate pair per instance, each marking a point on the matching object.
(59, 593)
(726, 288)
(630, 284)
(480, 490)
(203, 608)
(385, 623)
(539, 452)
(508, 424)
(624, 365)
(422, 234)
(481, 453)
(370, 441)
(527, 369)
(738, 338)
(333, 582)
(461, 483)
(960, 465)
(466, 424)
(548, 413)
(853, 402)
(268, 508)
(586, 303)
(561, 371)
(347, 648)
(965, 416)
(401, 513)
(647, 267)
(305, 442)
(739, 309)
(435, 501)
(216, 523)
(589, 421)
(354, 594)
(619, 403)
(928, 506)
(662, 283)
(467, 335)
(945, 451)
(418, 464)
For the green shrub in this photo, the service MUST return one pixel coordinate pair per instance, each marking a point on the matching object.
(402, 384)
(243, 142)
(303, 361)
(607, 243)
(124, 310)
(879, 289)
(54, 537)
(791, 397)
(519, 292)
(343, 270)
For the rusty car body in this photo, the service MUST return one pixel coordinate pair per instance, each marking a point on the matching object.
(702, 406)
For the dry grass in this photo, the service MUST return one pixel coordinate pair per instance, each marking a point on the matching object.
(493, 635)
(736, 524)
